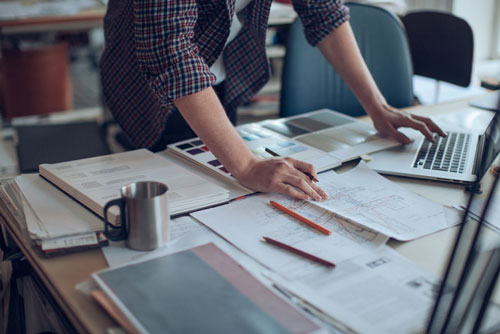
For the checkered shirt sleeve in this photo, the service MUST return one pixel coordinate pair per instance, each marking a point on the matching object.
(320, 17)
(165, 52)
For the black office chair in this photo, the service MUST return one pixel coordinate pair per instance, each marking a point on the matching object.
(309, 82)
(441, 45)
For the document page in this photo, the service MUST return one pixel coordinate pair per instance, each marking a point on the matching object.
(379, 292)
(363, 196)
(245, 222)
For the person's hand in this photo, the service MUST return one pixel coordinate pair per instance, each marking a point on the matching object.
(283, 175)
(387, 120)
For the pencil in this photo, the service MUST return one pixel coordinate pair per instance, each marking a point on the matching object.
(301, 218)
(274, 154)
(299, 252)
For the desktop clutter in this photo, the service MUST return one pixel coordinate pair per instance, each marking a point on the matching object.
(208, 258)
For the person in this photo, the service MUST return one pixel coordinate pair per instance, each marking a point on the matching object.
(173, 69)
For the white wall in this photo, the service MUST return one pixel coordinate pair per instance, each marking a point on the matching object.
(480, 15)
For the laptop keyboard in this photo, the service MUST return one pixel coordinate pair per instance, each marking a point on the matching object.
(447, 154)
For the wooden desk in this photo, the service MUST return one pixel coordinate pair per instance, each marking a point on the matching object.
(61, 274)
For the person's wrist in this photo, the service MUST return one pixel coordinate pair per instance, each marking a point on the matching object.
(376, 110)
(375, 105)
(244, 167)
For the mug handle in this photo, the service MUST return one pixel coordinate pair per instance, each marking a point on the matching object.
(112, 232)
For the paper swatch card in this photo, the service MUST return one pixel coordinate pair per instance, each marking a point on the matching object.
(257, 139)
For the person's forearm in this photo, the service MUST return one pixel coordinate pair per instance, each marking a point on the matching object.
(341, 50)
(206, 116)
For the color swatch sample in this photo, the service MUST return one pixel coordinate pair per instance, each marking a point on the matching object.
(257, 138)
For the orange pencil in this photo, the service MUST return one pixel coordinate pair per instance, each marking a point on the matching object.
(302, 219)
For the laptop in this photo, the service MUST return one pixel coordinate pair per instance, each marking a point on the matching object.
(456, 158)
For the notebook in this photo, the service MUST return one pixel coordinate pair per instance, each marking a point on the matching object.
(457, 158)
(200, 290)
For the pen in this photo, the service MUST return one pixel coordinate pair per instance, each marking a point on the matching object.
(274, 154)
(301, 218)
(299, 252)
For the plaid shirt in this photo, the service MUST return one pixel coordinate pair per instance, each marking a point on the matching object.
(157, 51)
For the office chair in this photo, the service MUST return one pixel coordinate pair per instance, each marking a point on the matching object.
(309, 82)
(441, 46)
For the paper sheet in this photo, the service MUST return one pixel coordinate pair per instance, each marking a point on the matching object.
(186, 232)
(379, 292)
(245, 222)
(184, 229)
(365, 197)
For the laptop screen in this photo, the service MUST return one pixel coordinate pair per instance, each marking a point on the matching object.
(492, 136)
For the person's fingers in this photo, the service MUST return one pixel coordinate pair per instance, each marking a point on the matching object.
(390, 131)
(299, 182)
(304, 167)
(320, 191)
(431, 125)
(420, 126)
(316, 188)
(290, 191)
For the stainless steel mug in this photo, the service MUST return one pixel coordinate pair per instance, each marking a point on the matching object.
(143, 214)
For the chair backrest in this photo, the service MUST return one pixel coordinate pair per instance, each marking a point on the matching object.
(441, 45)
(310, 83)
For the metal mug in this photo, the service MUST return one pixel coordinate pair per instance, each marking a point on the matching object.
(143, 214)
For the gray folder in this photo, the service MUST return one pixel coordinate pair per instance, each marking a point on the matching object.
(201, 290)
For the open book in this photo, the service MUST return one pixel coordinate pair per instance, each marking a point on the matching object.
(324, 138)
(95, 181)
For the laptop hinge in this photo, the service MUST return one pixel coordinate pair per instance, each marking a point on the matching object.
(479, 155)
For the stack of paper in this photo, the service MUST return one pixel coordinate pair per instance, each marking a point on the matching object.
(54, 221)
(95, 181)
